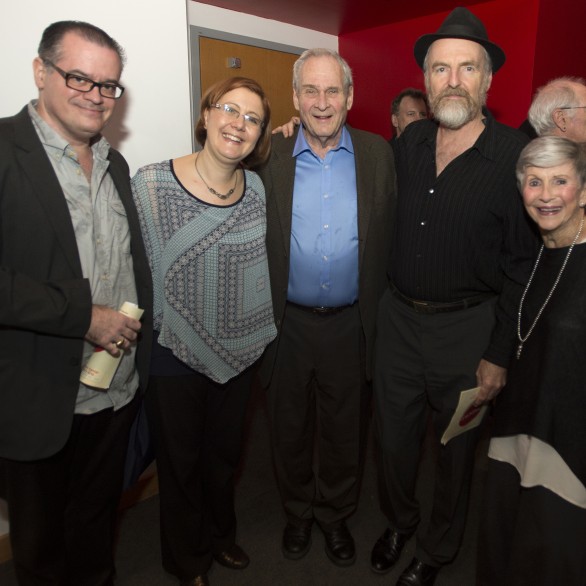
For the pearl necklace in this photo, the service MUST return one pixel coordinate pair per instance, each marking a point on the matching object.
(522, 339)
(211, 189)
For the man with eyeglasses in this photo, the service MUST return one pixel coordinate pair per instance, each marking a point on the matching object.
(70, 255)
(330, 194)
(559, 109)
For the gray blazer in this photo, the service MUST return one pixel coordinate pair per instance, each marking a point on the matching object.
(375, 179)
(45, 303)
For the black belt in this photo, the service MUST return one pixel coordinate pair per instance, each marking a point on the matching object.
(320, 310)
(430, 307)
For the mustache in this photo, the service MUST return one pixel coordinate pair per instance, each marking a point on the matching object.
(460, 92)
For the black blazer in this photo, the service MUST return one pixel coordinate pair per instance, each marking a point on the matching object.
(45, 303)
(375, 184)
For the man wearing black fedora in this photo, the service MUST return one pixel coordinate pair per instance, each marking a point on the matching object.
(461, 254)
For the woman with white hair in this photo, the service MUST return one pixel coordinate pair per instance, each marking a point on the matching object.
(533, 528)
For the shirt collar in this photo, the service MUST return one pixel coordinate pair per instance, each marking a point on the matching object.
(50, 138)
(302, 145)
(485, 144)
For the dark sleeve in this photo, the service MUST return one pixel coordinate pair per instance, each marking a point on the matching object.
(519, 249)
(39, 290)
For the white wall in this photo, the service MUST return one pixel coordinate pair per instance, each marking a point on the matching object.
(155, 122)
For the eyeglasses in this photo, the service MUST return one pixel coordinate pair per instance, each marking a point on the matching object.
(571, 107)
(85, 84)
(234, 113)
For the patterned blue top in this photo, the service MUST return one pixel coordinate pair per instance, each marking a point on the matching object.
(212, 296)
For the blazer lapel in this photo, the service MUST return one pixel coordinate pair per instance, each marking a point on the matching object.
(365, 176)
(37, 167)
(284, 181)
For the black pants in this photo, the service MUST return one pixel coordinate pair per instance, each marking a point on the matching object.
(528, 535)
(197, 430)
(319, 405)
(421, 361)
(62, 510)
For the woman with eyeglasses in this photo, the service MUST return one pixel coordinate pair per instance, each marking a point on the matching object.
(203, 221)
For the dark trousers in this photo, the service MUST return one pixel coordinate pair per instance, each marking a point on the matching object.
(420, 361)
(62, 510)
(528, 535)
(318, 398)
(197, 430)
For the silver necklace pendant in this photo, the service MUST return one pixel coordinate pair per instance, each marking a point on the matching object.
(519, 350)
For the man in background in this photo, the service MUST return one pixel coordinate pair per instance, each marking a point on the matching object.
(559, 109)
(70, 255)
(408, 106)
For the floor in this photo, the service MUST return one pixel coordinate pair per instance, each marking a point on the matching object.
(261, 522)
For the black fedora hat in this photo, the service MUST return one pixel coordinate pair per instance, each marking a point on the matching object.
(460, 24)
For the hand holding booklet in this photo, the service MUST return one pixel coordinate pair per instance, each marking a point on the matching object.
(101, 367)
(466, 417)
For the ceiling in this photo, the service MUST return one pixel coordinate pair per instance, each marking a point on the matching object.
(337, 17)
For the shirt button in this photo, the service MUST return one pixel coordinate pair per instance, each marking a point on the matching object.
(326, 196)
(432, 190)
(326, 226)
(325, 257)
(424, 222)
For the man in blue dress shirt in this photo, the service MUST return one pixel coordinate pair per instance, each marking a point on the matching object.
(330, 195)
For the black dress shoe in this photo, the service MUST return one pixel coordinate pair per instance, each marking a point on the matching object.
(418, 573)
(340, 546)
(296, 540)
(197, 581)
(387, 550)
(233, 557)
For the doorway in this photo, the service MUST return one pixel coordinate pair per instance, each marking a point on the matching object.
(214, 54)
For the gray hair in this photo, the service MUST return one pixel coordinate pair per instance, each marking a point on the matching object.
(551, 151)
(558, 93)
(298, 66)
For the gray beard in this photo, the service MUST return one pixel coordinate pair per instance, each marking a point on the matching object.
(454, 115)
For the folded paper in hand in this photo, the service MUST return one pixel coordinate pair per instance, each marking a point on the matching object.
(466, 416)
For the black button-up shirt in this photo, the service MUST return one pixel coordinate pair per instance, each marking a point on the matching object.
(465, 232)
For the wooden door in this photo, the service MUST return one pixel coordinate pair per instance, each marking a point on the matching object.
(273, 70)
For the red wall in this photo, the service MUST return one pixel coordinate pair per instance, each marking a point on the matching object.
(560, 47)
(383, 63)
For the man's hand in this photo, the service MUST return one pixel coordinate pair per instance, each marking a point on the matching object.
(491, 379)
(288, 128)
(112, 330)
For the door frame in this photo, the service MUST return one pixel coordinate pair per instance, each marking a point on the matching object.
(195, 32)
